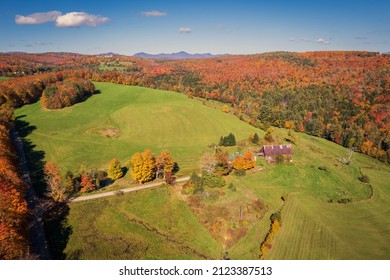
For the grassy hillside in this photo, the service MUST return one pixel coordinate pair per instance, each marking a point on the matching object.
(123, 120)
(164, 224)
(317, 230)
(312, 227)
(147, 225)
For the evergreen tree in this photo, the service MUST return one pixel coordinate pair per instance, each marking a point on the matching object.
(229, 140)
(255, 139)
(221, 141)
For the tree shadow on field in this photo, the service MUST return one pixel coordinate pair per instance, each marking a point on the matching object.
(54, 213)
(124, 170)
(176, 168)
(34, 159)
(57, 229)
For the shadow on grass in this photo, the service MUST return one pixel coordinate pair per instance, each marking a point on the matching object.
(55, 213)
(34, 159)
(57, 229)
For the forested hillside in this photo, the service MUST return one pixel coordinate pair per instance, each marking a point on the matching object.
(340, 96)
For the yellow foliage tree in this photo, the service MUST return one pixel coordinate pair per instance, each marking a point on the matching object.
(267, 244)
(114, 169)
(143, 166)
(225, 108)
(136, 162)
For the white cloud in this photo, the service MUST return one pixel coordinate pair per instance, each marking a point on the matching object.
(37, 18)
(322, 41)
(72, 19)
(154, 14)
(75, 19)
(318, 41)
(185, 30)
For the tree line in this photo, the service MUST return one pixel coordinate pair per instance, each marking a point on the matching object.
(145, 167)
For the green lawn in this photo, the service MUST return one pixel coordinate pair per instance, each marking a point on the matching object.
(144, 118)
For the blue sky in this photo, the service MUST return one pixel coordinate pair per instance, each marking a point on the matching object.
(236, 27)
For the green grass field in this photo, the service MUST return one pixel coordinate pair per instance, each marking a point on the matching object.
(104, 67)
(152, 224)
(142, 118)
(313, 228)
(160, 224)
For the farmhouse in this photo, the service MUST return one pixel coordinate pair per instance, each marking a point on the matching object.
(270, 152)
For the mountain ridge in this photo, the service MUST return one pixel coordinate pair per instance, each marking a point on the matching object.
(177, 55)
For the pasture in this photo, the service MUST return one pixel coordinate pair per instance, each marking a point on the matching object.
(312, 227)
(122, 120)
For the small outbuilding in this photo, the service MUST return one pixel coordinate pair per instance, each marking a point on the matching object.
(271, 152)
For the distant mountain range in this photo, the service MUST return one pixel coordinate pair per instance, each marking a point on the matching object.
(108, 53)
(178, 55)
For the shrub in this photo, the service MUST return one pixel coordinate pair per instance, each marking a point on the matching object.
(119, 193)
(169, 179)
(239, 173)
(213, 180)
(364, 179)
(276, 216)
(279, 159)
(344, 200)
(187, 188)
(232, 187)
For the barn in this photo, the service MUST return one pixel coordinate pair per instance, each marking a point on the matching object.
(271, 152)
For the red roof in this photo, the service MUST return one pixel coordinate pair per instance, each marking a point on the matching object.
(274, 150)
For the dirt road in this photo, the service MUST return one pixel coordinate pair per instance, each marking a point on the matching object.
(126, 190)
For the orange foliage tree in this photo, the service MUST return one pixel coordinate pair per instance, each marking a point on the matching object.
(87, 184)
(53, 178)
(244, 162)
(13, 205)
(164, 163)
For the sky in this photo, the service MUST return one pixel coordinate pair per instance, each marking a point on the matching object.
(218, 27)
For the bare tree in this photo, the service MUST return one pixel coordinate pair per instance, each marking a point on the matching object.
(208, 163)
